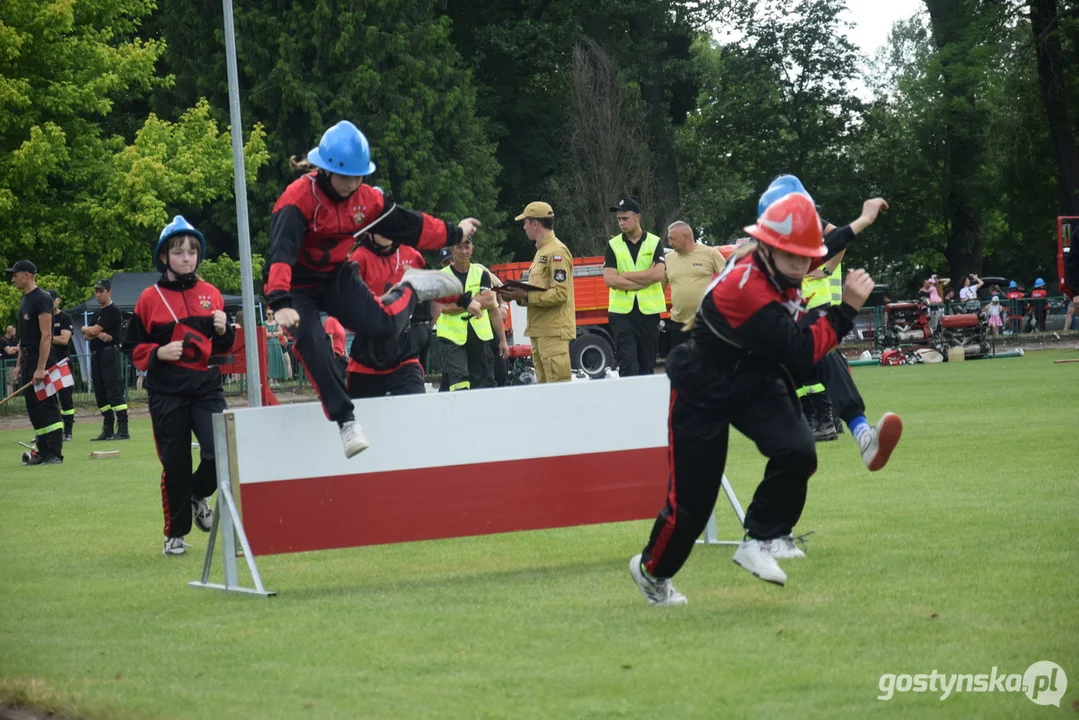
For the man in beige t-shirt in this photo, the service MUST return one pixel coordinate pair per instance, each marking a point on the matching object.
(689, 270)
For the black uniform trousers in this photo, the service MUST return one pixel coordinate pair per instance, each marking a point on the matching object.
(109, 386)
(405, 380)
(675, 336)
(44, 414)
(175, 418)
(346, 297)
(501, 379)
(839, 386)
(636, 340)
(466, 367)
(67, 407)
(762, 407)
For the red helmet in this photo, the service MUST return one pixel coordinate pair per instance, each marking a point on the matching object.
(791, 223)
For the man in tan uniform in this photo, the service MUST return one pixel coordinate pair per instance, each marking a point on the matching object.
(689, 269)
(552, 322)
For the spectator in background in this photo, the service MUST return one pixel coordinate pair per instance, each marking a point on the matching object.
(971, 285)
(278, 362)
(9, 350)
(931, 294)
(1015, 308)
(994, 311)
(62, 348)
(688, 270)
(336, 332)
(1039, 306)
(633, 269)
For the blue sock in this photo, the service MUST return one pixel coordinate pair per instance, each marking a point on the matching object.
(856, 424)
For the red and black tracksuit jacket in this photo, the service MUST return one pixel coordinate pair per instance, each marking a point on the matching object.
(748, 323)
(193, 302)
(381, 269)
(312, 232)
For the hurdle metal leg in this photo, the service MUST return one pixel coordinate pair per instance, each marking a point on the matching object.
(227, 518)
(711, 534)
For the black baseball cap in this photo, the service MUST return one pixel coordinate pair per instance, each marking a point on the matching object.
(445, 256)
(103, 284)
(627, 205)
(23, 266)
(53, 294)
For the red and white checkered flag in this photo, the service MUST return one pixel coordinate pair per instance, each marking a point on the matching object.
(57, 378)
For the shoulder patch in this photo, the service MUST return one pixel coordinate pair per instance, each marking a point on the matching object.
(543, 259)
(560, 275)
(557, 258)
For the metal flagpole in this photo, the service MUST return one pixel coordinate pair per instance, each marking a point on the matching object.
(239, 172)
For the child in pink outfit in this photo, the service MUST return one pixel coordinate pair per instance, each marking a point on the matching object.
(993, 311)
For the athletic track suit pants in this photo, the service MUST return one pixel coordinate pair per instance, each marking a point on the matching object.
(175, 418)
(405, 380)
(703, 407)
(346, 297)
(44, 414)
(109, 386)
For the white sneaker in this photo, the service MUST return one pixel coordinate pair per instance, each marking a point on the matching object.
(175, 546)
(655, 590)
(201, 514)
(353, 439)
(784, 548)
(432, 284)
(756, 557)
(877, 443)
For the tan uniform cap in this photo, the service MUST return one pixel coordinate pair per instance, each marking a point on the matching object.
(536, 210)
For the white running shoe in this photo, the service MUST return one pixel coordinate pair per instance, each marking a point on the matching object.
(877, 443)
(431, 284)
(784, 548)
(201, 514)
(175, 546)
(655, 590)
(353, 439)
(756, 557)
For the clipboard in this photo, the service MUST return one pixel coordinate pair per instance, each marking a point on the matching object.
(517, 284)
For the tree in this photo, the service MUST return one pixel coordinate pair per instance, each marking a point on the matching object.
(388, 67)
(1055, 86)
(224, 273)
(75, 197)
(778, 100)
(606, 144)
(522, 54)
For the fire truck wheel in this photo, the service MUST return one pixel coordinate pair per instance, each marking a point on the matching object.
(592, 353)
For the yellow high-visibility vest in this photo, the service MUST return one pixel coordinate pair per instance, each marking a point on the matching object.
(455, 327)
(650, 300)
(825, 290)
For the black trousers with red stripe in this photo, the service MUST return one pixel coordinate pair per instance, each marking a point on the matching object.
(704, 406)
(346, 297)
(405, 380)
(175, 419)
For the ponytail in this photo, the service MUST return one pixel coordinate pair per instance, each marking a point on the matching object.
(302, 165)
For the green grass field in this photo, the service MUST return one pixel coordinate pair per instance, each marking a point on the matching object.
(958, 557)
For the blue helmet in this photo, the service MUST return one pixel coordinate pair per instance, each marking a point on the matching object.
(1013, 285)
(343, 149)
(178, 226)
(1039, 283)
(782, 185)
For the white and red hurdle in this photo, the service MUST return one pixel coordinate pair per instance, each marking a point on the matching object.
(576, 454)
